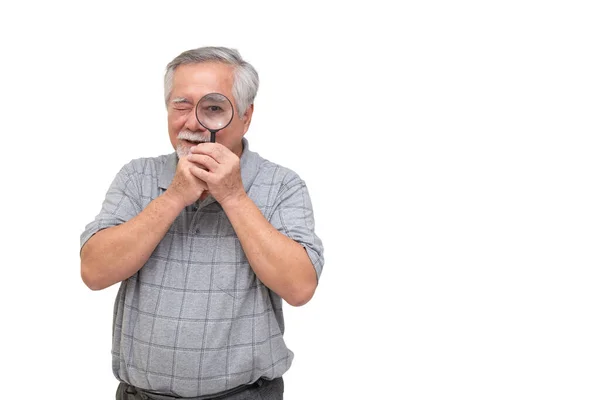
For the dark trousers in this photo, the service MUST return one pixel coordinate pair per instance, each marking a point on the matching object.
(262, 389)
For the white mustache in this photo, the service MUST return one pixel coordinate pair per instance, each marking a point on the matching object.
(193, 137)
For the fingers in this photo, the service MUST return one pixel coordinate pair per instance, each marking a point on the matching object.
(205, 161)
(186, 185)
(218, 166)
(216, 151)
(202, 174)
(186, 172)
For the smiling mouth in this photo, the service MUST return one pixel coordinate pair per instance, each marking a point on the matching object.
(194, 142)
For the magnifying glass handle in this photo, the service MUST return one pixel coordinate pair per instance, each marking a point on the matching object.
(212, 137)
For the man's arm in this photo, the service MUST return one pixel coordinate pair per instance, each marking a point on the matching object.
(279, 262)
(116, 253)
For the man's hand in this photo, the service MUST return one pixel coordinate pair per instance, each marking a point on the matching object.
(216, 165)
(185, 188)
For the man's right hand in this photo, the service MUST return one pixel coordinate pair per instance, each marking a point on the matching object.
(185, 187)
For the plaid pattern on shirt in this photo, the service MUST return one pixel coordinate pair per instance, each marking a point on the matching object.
(195, 320)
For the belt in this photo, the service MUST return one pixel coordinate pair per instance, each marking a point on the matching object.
(138, 393)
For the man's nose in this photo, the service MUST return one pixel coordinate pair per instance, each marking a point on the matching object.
(192, 123)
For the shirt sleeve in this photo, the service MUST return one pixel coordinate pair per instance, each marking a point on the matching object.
(120, 204)
(293, 216)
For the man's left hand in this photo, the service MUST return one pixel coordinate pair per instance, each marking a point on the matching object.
(219, 167)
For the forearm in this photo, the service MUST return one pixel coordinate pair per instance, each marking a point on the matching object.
(114, 254)
(280, 263)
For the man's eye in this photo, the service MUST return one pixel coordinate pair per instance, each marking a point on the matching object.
(214, 109)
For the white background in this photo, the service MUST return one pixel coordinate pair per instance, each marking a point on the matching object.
(450, 149)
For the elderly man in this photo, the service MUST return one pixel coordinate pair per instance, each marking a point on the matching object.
(206, 242)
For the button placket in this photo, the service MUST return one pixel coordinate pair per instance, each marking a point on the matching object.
(194, 225)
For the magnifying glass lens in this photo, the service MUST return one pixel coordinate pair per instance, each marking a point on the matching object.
(214, 111)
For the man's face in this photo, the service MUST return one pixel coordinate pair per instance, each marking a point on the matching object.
(190, 83)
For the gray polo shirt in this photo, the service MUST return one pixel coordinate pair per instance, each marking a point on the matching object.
(196, 320)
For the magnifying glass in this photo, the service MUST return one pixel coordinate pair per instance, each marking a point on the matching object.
(214, 112)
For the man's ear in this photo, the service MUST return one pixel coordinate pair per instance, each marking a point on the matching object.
(247, 118)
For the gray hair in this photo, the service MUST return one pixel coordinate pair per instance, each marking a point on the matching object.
(245, 77)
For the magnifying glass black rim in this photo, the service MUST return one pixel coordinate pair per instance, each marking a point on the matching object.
(213, 131)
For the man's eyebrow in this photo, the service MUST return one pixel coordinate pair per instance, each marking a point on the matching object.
(178, 100)
(216, 97)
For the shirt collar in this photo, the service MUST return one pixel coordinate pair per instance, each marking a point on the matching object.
(249, 165)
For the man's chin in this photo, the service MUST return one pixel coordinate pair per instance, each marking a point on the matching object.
(183, 150)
